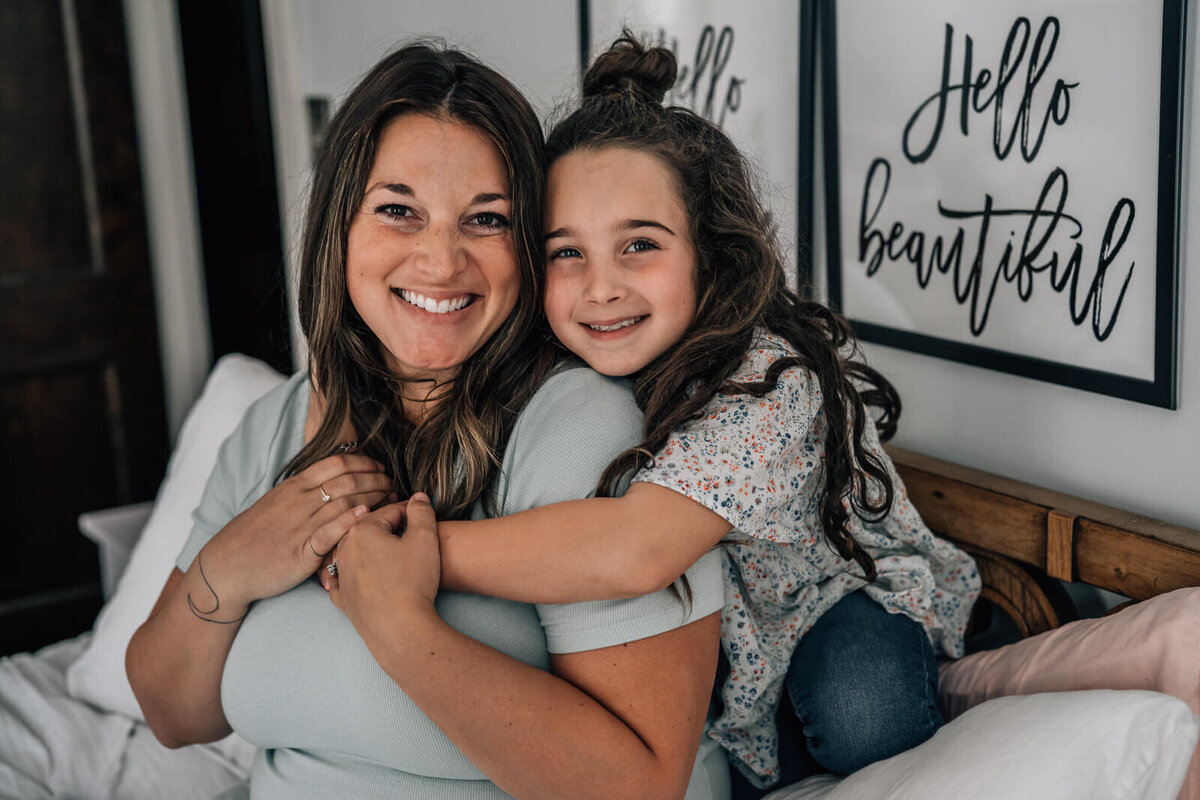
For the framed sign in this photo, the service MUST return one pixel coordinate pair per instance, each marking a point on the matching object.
(749, 68)
(1002, 184)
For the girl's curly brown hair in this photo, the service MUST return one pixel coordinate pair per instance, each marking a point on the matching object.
(741, 287)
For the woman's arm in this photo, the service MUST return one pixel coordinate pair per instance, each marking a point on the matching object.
(176, 658)
(600, 548)
(621, 721)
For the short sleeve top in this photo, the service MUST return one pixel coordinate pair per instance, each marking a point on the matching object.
(301, 684)
(758, 462)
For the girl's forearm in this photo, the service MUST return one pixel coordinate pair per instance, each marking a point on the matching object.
(593, 549)
(578, 550)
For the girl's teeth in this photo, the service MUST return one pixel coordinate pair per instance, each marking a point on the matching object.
(625, 323)
(433, 306)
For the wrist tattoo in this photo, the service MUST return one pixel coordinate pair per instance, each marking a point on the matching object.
(205, 615)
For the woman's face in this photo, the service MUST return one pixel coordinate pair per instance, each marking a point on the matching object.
(430, 262)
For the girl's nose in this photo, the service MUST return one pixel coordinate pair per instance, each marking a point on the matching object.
(604, 284)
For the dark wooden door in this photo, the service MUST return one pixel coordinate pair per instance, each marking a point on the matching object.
(82, 422)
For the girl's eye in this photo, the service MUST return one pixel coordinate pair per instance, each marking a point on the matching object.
(641, 246)
(490, 220)
(565, 252)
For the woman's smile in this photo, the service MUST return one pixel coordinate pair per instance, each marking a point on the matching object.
(430, 302)
(430, 262)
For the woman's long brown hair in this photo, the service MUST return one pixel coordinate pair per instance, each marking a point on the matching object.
(452, 454)
(741, 287)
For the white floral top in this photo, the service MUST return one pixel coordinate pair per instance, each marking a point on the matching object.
(758, 462)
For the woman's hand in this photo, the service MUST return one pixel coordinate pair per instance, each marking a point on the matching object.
(388, 568)
(281, 539)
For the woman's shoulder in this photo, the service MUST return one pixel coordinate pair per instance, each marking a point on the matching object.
(270, 430)
(575, 424)
(573, 390)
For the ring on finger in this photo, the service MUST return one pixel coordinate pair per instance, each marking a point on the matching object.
(314, 550)
(332, 567)
(325, 496)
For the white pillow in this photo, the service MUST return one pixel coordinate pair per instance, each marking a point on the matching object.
(1126, 745)
(98, 676)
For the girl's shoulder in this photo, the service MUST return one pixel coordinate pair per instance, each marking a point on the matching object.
(766, 349)
(795, 394)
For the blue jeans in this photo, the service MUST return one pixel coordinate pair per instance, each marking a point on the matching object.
(862, 686)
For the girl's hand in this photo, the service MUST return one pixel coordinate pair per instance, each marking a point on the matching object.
(382, 577)
(280, 540)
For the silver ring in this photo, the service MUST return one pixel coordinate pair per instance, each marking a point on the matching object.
(332, 567)
(325, 496)
(314, 550)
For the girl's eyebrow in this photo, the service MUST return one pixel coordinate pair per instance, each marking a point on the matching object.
(626, 225)
(631, 224)
(406, 190)
(488, 197)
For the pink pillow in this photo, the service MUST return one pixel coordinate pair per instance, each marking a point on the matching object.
(1154, 644)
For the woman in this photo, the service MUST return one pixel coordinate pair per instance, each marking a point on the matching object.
(418, 298)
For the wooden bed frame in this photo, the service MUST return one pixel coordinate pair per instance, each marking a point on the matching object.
(1023, 536)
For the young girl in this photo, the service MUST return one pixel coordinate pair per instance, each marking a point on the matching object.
(661, 266)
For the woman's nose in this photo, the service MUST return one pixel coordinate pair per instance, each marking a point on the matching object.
(439, 253)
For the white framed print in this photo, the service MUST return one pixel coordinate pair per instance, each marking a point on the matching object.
(1002, 184)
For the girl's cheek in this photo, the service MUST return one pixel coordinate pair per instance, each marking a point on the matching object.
(557, 307)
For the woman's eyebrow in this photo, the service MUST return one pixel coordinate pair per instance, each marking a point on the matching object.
(488, 197)
(398, 188)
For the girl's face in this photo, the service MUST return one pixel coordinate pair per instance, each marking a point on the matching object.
(430, 262)
(621, 267)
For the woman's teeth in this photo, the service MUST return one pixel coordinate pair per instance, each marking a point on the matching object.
(434, 306)
(625, 323)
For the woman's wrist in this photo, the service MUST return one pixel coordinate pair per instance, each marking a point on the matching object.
(406, 638)
(208, 596)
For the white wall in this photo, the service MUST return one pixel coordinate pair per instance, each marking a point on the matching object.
(1112, 451)
(156, 65)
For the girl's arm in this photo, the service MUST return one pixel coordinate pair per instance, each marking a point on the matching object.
(622, 721)
(601, 548)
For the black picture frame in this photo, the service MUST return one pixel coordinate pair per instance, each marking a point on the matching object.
(1162, 390)
(806, 102)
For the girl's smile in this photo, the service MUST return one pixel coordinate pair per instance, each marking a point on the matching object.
(621, 268)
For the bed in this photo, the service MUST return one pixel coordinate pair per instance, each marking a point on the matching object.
(1097, 707)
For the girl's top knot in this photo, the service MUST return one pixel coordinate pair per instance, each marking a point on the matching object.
(630, 67)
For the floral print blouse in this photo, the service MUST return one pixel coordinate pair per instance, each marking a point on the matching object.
(758, 462)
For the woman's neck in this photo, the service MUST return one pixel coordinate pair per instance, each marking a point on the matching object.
(418, 398)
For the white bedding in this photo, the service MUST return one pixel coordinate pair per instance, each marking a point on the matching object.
(52, 745)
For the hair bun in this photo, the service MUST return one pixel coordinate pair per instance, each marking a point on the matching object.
(629, 66)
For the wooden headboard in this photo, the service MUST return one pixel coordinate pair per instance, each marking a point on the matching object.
(1023, 536)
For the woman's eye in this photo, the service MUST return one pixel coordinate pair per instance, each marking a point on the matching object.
(641, 246)
(394, 211)
(565, 252)
(489, 219)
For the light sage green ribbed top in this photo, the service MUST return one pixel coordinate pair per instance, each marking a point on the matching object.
(301, 684)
